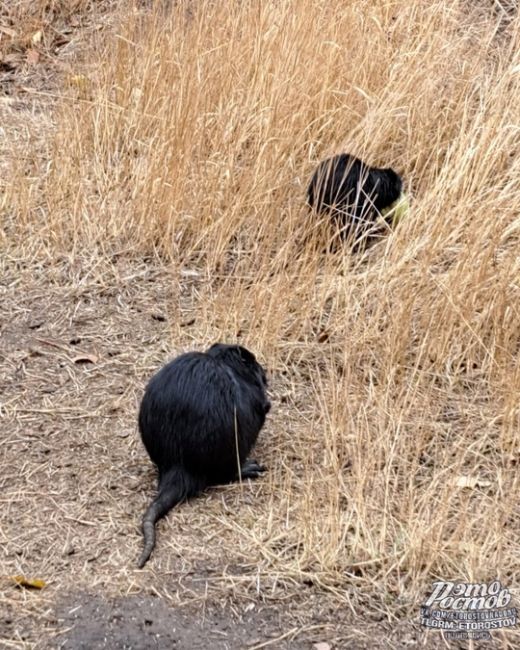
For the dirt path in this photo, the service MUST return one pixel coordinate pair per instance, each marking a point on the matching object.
(77, 344)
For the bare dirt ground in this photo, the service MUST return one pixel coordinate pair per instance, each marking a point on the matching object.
(76, 350)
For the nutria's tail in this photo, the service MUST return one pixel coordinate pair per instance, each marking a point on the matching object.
(175, 485)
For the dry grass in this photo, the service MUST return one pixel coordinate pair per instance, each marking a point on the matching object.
(393, 374)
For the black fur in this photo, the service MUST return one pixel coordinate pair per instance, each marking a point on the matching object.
(199, 419)
(352, 192)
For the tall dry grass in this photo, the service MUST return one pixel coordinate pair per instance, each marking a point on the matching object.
(396, 374)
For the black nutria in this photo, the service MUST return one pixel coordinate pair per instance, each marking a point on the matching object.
(199, 419)
(354, 195)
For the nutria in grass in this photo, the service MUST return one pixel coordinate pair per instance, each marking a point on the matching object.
(355, 194)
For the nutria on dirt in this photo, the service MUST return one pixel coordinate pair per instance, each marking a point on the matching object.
(199, 418)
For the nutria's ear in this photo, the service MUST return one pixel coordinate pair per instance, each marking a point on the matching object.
(393, 180)
(245, 355)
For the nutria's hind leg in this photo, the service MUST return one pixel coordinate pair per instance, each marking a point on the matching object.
(251, 469)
